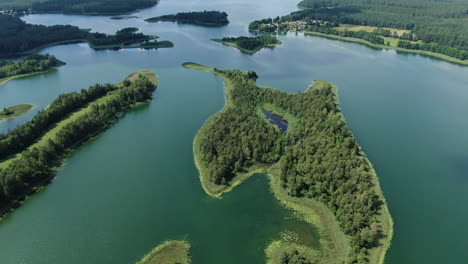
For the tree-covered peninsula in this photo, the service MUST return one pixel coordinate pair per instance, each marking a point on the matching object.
(82, 7)
(316, 168)
(27, 66)
(19, 38)
(435, 28)
(205, 18)
(250, 45)
(31, 153)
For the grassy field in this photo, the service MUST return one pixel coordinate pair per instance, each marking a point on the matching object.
(335, 245)
(247, 51)
(14, 111)
(169, 252)
(55, 129)
(370, 28)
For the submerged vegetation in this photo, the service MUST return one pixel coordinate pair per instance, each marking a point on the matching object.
(83, 7)
(19, 38)
(250, 45)
(205, 18)
(317, 161)
(169, 252)
(27, 66)
(32, 152)
(14, 111)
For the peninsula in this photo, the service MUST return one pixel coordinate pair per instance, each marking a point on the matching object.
(205, 18)
(169, 252)
(250, 45)
(440, 31)
(14, 111)
(316, 168)
(30, 65)
(17, 38)
(31, 154)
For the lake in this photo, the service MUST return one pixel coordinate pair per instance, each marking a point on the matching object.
(136, 185)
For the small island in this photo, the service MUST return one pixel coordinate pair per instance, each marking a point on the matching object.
(126, 38)
(316, 167)
(250, 45)
(205, 18)
(28, 39)
(14, 111)
(169, 252)
(30, 65)
(122, 17)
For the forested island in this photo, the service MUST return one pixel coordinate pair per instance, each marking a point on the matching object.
(205, 18)
(169, 252)
(14, 111)
(31, 153)
(30, 65)
(435, 28)
(82, 7)
(18, 38)
(316, 168)
(250, 45)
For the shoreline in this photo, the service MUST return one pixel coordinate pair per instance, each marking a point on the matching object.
(433, 55)
(24, 109)
(169, 251)
(97, 14)
(310, 210)
(40, 184)
(388, 226)
(5, 80)
(78, 41)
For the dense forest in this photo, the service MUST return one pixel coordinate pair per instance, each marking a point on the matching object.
(443, 22)
(30, 64)
(77, 6)
(37, 164)
(318, 159)
(207, 18)
(16, 36)
(442, 26)
(252, 43)
(19, 139)
(121, 36)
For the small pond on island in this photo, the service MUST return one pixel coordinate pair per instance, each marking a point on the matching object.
(276, 121)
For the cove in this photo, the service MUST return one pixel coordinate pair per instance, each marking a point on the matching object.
(407, 111)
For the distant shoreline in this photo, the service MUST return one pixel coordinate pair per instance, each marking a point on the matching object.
(164, 44)
(367, 43)
(3, 81)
